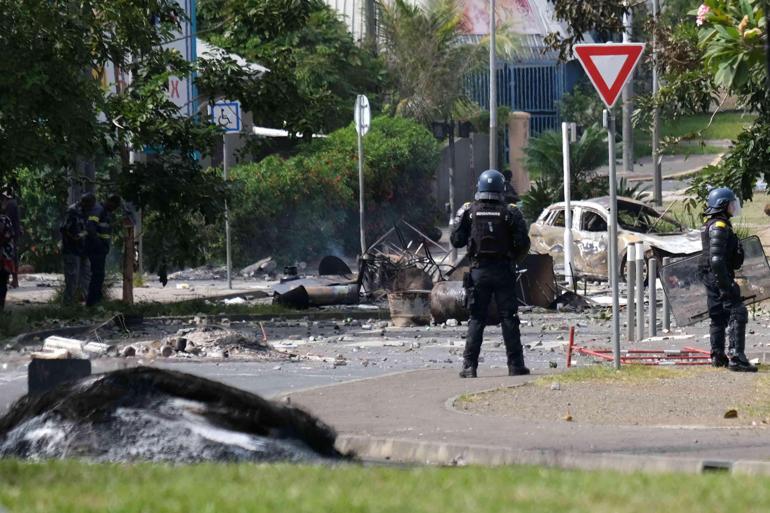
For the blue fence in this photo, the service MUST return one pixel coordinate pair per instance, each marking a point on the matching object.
(533, 87)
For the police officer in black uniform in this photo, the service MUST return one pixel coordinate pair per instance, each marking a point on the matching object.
(496, 236)
(722, 255)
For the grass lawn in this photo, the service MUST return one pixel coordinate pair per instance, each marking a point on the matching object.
(70, 487)
(726, 125)
(752, 217)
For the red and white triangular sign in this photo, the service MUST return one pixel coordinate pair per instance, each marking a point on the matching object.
(609, 66)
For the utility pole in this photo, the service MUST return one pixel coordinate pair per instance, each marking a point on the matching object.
(228, 246)
(628, 104)
(492, 89)
(657, 173)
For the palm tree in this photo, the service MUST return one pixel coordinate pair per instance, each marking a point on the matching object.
(428, 56)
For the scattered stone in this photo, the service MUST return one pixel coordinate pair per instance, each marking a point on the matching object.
(555, 386)
(568, 418)
(452, 323)
(731, 414)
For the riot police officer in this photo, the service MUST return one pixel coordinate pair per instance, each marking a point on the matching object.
(722, 255)
(496, 236)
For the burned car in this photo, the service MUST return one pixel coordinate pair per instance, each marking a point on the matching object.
(661, 235)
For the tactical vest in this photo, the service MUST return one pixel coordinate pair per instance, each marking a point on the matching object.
(490, 231)
(704, 263)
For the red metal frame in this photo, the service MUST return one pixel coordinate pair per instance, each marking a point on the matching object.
(685, 356)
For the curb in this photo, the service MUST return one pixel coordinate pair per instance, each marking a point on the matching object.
(395, 450)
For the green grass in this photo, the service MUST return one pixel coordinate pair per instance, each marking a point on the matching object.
(34, 317)
(607, 374)
(726, 126)
(70, 487)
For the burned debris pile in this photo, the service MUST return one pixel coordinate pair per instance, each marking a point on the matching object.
(148, 414)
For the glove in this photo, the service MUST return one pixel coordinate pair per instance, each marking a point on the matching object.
(731, 294)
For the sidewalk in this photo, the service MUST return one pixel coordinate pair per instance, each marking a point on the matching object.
(672, 166)
(409, 417)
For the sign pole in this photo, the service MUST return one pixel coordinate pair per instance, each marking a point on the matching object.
(227, 215)
(492, 89)
(565, 138)
(613, 236)
(360, 107)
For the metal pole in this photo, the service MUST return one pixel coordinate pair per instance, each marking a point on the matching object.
(666, 306)
(657, 174)
(630, 291)
(613, 236)
(452, 164)
(492, 89)
(361, 177)
(228, 248)
(652, 281)
(639, 291)
(567, 205)
(628, 106)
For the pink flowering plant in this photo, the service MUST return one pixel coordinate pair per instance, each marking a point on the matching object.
(732, 32)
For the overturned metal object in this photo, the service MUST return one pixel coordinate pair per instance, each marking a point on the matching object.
(331, 265)
(303, 294)
(447, 301)
(687, 294)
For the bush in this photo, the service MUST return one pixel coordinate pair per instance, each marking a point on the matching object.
(307, 206)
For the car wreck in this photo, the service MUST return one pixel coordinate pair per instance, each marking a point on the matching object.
(661, 235)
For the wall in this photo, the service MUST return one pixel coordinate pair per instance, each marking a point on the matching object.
(465, 174)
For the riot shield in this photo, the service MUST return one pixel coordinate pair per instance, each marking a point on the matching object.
(687, 295)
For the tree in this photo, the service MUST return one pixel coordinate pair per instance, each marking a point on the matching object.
(428, 57)
(54, 109)
(316, 69)
(732, 36)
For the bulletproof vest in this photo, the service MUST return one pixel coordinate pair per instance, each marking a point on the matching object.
(490, 233)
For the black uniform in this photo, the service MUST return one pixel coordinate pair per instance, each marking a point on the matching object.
(97, 246)
(722, 255)
(496, 235)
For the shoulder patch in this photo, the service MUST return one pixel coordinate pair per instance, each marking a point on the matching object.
(720, 224)
(466, 205)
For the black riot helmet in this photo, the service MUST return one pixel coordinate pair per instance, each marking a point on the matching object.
(491, 185)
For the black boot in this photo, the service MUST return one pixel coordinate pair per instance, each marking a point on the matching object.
(717, 339)
(738, 360)
(514, 370)
(469, 370)
(719, 359)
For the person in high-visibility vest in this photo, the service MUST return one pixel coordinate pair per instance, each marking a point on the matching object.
(99, 233)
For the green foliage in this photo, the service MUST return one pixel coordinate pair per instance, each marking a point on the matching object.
(43, 201)
(603, 18)
(307, 206)
(734, 48)
(49, 98)
(427, 57)
(544, 163)
(740, 169)
(582, 106)
(316, 69)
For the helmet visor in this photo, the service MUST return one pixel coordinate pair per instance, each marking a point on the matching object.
(734, 208)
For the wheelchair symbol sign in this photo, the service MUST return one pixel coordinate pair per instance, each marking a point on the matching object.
(226, 116)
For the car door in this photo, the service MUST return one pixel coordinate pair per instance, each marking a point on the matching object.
(591, 243)
(547, 236)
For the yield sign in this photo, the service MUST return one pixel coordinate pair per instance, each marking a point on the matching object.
(609, 66)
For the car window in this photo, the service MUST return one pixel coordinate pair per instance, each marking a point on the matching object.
(593, 222)
(558, 219)
(642, 219)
